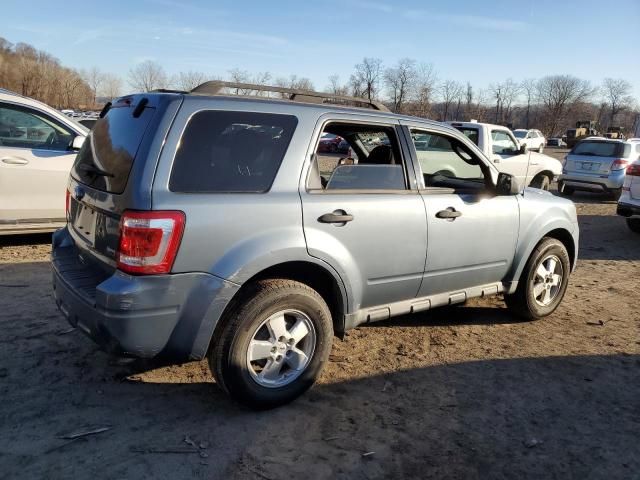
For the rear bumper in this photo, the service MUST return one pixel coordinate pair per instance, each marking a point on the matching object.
(142, 316)
(627, 210)
(592, 182)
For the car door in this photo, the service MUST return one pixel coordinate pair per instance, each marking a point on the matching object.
(506, 156)
(471, 232)
(35, 159)
(364, 216)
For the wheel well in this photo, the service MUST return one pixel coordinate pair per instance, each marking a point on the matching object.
(567, 240)
(316, 277)
(546, 173)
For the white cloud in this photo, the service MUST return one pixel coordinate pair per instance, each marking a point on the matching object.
(472, 21)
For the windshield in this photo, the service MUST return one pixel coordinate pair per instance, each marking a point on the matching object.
(520, 133)
(601, 149)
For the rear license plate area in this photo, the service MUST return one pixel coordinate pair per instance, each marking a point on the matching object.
(84, 222)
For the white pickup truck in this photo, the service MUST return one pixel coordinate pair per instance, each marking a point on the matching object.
(501, 147)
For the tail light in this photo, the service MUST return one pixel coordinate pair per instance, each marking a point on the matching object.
(619, 164)
(149, 241)
(634, 169)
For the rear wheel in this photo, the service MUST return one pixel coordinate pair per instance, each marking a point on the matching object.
(634, 224)
(541, 181)
(615, 193)
(564, 190)
(273, 344)
(543, 282)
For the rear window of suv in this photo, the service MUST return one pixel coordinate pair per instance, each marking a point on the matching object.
(225, 152)
(106, 157)
(602, 149)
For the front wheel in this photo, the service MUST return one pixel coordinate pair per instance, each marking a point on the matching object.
(543, 282)
(542, 182)
(634, 224)
(273, 344)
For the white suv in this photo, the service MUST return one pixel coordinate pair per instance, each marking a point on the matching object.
(532, 139)
(38, 145)
(629, 202)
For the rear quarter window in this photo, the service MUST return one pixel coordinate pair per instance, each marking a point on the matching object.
(227, 152)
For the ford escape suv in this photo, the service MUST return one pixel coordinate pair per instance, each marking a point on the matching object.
(207, 224)
(598, 164)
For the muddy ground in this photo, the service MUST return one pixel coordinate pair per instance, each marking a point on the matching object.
(467, 392)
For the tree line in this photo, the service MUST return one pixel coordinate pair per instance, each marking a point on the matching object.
(551, 103)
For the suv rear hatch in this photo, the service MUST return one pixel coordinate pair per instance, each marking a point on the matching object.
(114, 171)
(597, 157)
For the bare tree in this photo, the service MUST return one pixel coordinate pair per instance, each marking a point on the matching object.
(425, 88)
(147, 76)
(295, 82)
(400, 81)
(335, 87)
(242, 76)
(528, 87)
(111, 86)
(94, 78)
(189, 80)
(450, 91)
(366, 78)
(617, 94)
(558, 94)
(505, 94)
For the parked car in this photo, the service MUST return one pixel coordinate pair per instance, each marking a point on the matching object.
(329, 143)
(38, 145)
(532, 139)
(499, 144)
(629, 202)
(213, 231)
(556, 142)
(598, 164)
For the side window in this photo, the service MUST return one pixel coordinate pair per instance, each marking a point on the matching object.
(503, 144)
(22, 127)
(224, 152)
(446, 162)
(357, 157)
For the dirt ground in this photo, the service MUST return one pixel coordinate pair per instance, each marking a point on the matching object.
(466, 392)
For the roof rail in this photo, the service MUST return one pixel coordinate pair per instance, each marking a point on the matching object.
(215, 86)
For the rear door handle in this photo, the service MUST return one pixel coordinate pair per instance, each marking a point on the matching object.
(15, 160)
(449, 214)
(337, 216)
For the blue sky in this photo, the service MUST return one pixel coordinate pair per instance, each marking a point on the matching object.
(477, 41)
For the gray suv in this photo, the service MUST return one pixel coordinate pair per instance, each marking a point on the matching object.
(206, 224)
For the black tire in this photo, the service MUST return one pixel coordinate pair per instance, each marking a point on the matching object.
(634, 224)
(228, 357)
(523, 302)
(564, 190)
(542, 182)
(615, 193)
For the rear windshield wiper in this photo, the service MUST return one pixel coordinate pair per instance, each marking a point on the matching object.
(95, 170)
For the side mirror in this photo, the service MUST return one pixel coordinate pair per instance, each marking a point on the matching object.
(523, 148)
(507, 185)
(77, 142)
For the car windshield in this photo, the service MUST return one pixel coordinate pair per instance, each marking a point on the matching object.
(520, 133)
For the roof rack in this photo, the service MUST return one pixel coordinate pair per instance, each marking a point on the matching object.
(214, 87)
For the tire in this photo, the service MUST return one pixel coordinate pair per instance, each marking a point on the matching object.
(541, 181)
(528, 301)
(564, 190)
(615, 193)
(634, 224)
(250, 319)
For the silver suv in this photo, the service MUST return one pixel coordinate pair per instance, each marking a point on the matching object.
(598, 164)
(203, 224)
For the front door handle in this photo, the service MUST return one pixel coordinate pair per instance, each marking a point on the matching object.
(15, 160)
(496, 159)
(337, 216)
(449, 214)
